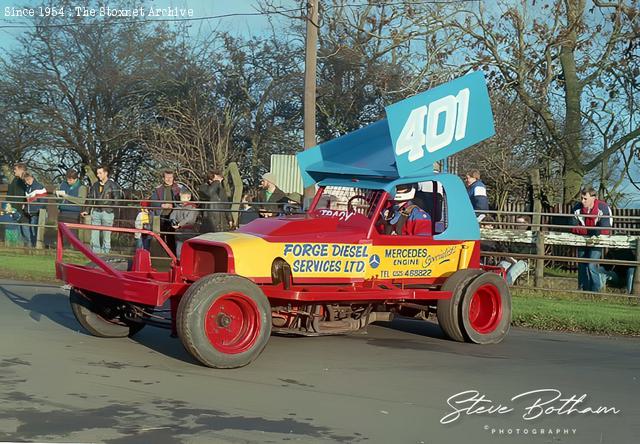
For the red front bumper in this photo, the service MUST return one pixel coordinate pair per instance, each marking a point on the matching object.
(141, 285)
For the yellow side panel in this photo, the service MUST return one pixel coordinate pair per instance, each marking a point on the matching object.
(253, 257)
(402, 262)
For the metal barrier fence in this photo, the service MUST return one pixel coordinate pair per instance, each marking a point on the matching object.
(553, 243)
(546, 242)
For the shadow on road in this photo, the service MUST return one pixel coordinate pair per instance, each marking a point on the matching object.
(416, 327)
(158, 340)
(54, 306)
(428, 336)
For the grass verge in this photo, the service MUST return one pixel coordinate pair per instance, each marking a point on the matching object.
(543, 311)
(575, 313)
(559, 272)
(27, 265)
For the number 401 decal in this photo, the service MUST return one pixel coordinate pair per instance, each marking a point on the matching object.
(418, 132)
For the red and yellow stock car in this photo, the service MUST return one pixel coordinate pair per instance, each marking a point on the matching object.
(331, 270)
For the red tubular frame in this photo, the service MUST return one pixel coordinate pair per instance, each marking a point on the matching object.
(333, 294)
(63, 231)
(145, 287)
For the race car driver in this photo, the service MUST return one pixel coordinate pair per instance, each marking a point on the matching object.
(405, 217)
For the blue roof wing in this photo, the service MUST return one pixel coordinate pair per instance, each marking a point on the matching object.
(440, 122)
(418, 131)
(366, 152)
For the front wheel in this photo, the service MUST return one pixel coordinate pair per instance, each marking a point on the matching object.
(224, 320)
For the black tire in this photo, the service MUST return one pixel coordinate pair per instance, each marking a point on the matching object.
(89, 308)
(224, 320)
(93, 312)
(448, 311)
(488, 322)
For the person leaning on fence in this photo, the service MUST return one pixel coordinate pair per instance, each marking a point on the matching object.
(620, 276)
(589, 215)
(477, 193)
(163, 200)
(73, 194)
(183, 219)
(101, 204)
(271, 198)
(16, 235)
(34, 192)
(217, 216)
(143, 222)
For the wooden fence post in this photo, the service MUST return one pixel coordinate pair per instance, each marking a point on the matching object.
(42, 219)
(236, 179)
(636, 275)
(539, 276)
(85, 235)
(536, 222)
(155, 223)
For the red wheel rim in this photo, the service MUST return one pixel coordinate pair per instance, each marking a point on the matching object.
(485, 309)
(233, 323)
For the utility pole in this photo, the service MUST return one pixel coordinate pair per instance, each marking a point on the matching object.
(310, 61)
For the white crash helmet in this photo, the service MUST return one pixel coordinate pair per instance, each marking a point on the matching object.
(404, 192)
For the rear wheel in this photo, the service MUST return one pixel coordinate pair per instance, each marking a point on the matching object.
(449, 309)
(102, 316)
(486, 309)
(224, 320)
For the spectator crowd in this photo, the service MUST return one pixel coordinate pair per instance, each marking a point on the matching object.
(171, 202)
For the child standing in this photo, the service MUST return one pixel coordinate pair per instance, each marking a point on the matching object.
(143, 222)
(183, 219)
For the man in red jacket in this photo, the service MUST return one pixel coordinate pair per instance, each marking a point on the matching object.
(592, 218)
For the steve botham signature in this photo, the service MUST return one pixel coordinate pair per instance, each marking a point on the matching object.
(544, 402)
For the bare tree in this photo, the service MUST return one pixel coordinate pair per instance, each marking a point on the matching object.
(565, 59)
(506, 159)
(245, 108)
(17, 135)
(190, 139)
(373, 55)
(80, 85)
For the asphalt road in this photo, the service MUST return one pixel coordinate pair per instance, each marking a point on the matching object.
(390, 385)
